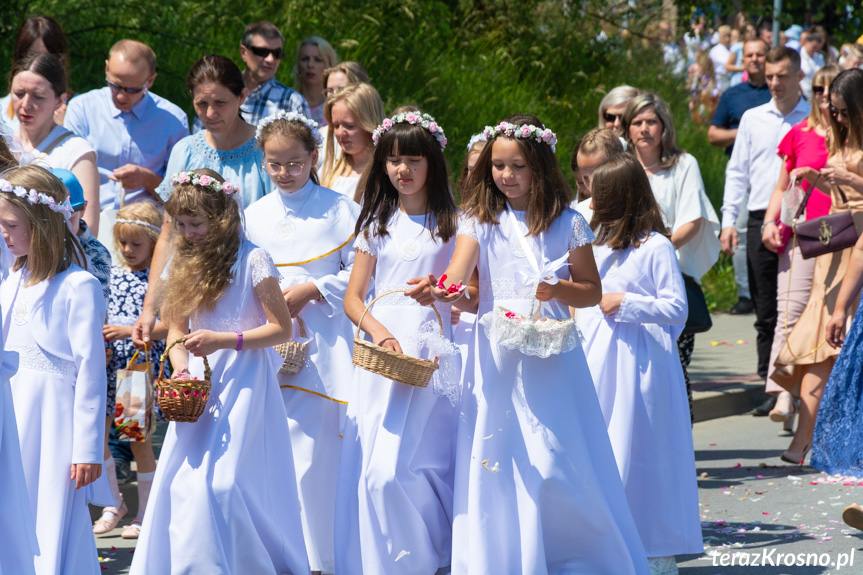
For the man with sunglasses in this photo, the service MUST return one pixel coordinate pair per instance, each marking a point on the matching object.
(755, 165)
(131, 129)
(262, 50)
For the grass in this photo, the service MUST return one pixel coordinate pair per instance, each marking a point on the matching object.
(468, 63)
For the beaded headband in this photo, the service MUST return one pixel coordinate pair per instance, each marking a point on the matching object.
(524, 132)
(204, 181)
(290, 117)
(34, 198)
(139, 223)
(417, 119)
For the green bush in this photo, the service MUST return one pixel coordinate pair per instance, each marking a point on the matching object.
(468, 63)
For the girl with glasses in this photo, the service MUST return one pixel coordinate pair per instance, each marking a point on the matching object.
(309, 229)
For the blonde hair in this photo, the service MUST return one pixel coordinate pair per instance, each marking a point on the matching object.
(325, 51)
(366, 105)
(53, 246)
(208, 262)
(142, 212)
(353, 70)
(823, 77)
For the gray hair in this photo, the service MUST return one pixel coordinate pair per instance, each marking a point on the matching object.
(669, 152)
(616, 97)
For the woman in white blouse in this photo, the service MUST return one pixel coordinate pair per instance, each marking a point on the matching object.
(679, 190)
(38, 91)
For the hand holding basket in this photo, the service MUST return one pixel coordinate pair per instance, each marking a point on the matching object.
(182, 399)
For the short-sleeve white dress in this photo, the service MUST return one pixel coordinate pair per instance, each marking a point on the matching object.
(394, 498)
(224, 498)
(537, 487)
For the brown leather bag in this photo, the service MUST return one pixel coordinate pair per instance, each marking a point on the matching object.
(826, 234)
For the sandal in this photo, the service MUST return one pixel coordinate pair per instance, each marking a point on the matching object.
(784, 409)
(111, 516)
(132, 530)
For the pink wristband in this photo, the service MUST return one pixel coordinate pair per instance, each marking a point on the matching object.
(239, 340)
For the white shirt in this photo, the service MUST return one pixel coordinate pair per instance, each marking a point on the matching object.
(719, 55)
(809, 65)
(754, 163)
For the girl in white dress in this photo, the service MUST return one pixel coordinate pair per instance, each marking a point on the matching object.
(537, 488)
(352, 115)
(224, 499)
(309, 231)
(17, 528)
(52, 315)
(394, 500)
(630, 345)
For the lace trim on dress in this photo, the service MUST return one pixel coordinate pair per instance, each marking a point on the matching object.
(467, 227)
(35, 358)
(228, 324)
(202, 148)
(398, 299)
(262, 266)
(503, 288)
(581, 233)
(364, 245)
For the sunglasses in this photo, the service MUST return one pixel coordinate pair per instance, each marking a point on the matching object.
(835, 111)
(611, 118)
(818, 89)
(119, 88)
(260, 52)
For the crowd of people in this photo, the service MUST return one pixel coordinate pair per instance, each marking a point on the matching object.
(553, 434)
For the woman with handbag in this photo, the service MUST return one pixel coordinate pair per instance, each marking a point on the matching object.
(803, 146)
(805, 345)
(679, 190)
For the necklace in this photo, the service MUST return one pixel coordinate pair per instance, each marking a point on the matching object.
(651, 166)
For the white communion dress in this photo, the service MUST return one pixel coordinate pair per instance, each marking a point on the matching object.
(636, 370)
(17, 526)
(394, 501)
(55, 334)
(224, 498)
(309, 234)
(537, 488)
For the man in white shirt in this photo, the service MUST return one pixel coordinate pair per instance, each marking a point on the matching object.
(720, 55)
(755, 164)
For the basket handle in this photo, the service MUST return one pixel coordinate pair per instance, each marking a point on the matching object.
(302, 326)
(365, 311)
(208, 373)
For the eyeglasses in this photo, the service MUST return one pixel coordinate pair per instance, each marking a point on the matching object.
(119, 88)
(261, 52)
(611, 118)
(292, 168)
(818, 89)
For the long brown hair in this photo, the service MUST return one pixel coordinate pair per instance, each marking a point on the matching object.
(200, 273)
(625, 211)
(669, 153)
(53, 246)
(550, 194)
(849, 86)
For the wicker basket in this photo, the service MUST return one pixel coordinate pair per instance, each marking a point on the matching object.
(293, 352)
(390, 364)
(182, 399)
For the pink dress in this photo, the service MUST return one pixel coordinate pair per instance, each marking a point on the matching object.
(806, 148)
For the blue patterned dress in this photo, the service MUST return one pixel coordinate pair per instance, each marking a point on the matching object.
(837, 444)
(125, 305)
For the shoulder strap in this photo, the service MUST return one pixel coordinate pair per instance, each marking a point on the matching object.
(802, 205)
(53, 145)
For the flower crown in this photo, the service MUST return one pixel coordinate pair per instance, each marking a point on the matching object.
(204, 181)
(34, 198)
(290, 117)
(417, 119)
(139, 223)
(524, 132)
(481, 137)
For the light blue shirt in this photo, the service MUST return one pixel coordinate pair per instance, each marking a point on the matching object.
(143, 136)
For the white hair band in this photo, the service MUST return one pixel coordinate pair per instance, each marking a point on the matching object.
(139, 223)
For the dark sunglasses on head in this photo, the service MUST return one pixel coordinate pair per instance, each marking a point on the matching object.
(818, 89)
(612, 117)
(119, 88)
(260, 52)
